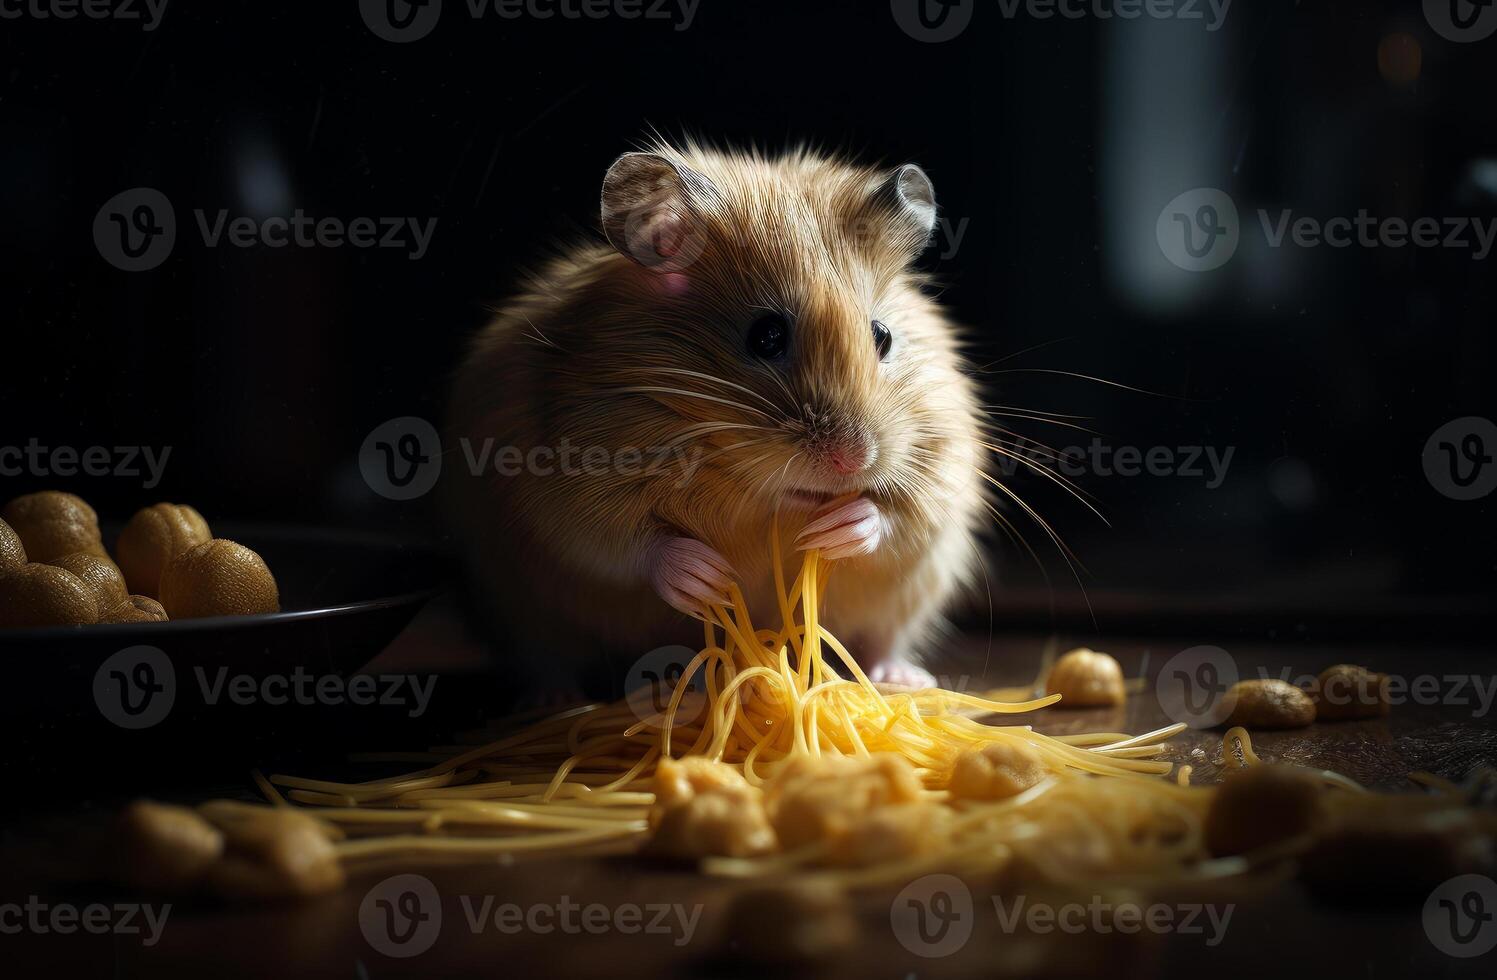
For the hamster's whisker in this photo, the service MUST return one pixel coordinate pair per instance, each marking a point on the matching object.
(700, 429)
(1041, 419)
(653, 390)
(1088, 377)
(782, 473)
(1034, 411)
(1072, 561)
(1054, 477)
(713, 378)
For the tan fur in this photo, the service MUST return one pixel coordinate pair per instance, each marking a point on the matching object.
(562, 558)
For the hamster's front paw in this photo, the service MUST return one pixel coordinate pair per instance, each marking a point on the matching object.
(901, 673)
(690, 576)
(843, 529)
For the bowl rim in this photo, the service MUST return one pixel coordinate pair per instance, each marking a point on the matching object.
(210, 623)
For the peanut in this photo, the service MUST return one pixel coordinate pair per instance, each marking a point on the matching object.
(45, 595)
(218, 578)
(1269, 703)
(1347, 691)
(99, 575)
(154, 536)
(51, 524)
(1086, 679)
(1263, 805)
(995, 771)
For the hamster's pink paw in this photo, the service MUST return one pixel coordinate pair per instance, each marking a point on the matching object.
(901, 673)
(689, 576)
(843, 529)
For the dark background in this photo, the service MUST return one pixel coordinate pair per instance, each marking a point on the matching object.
(1053, 143)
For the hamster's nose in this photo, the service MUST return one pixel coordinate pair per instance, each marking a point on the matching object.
(849, 456)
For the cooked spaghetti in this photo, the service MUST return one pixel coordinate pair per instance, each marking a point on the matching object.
(774, 702)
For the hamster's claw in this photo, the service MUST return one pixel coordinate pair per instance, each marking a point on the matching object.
(690, 576)
(855, 527)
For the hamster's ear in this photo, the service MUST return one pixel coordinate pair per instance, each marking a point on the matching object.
(908, 198)
(651, 209)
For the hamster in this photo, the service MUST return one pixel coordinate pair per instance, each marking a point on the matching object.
(751, 337)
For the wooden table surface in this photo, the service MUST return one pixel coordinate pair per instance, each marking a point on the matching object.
(1274, 925)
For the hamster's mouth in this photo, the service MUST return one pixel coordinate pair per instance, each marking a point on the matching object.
(795, 497)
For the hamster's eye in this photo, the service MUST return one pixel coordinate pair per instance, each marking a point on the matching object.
(769, 336)
(882, 339)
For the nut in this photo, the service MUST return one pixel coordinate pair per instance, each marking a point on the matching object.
(892, 833)
(1348, 691)
(154, 536)
(1263, 805)
(707, 808)
(99, 575)
(165, 848)
(12, 552)
(218, 578)
(51, 524)
(1086, 679)
(1269, 703)
(677, 781)
(45, 595)
(136, 609)
(271, 853)
(996, 771)
(819, 800)
(1381, 849)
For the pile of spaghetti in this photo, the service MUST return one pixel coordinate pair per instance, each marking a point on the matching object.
(775, 755)
(776, 752)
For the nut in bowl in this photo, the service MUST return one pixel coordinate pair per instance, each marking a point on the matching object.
(55, 571)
